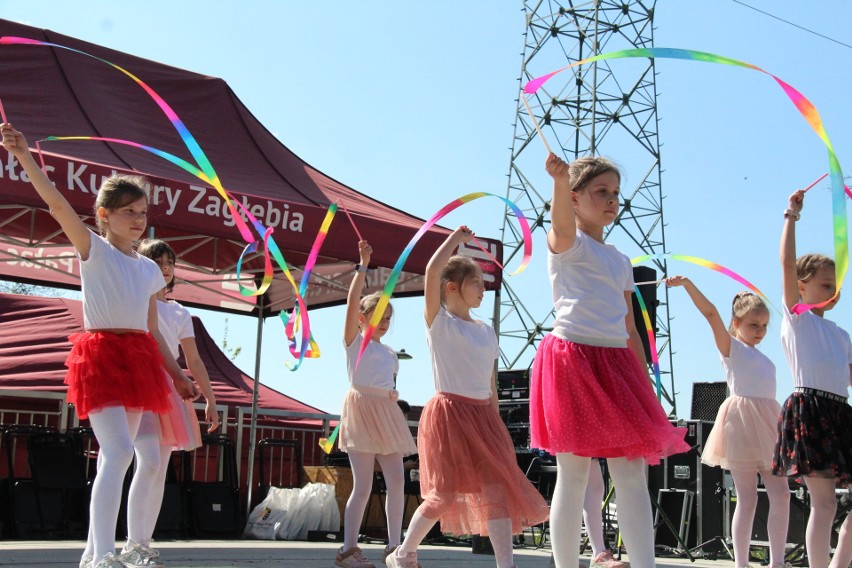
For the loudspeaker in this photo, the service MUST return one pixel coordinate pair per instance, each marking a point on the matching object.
(707, 398)
(649, 296)
(676, 504)
(799, 513)
(686, 472)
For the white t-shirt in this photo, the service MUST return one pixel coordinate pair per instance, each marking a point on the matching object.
(117, 287)
(749, 372)
(378, 367)
(175, 324)
(589, 281)
(818, 351)
(463, 354)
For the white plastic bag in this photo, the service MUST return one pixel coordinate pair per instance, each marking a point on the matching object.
(266, 519)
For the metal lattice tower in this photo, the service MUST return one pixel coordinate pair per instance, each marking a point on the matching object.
(604, 108)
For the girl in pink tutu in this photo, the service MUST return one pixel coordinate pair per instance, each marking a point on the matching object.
(373, 427)
(469, 478)
(115, 368)
(589, 393)
(160, 434)
(743, 437)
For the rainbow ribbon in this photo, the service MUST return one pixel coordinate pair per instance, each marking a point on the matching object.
(327, 444)
(206, 173)
(802, 104)
(397, 269)
(652, 342)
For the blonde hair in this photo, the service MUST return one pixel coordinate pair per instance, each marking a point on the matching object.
(808, 265)
(585, 169)
(116, 192)
(458, 269)
(368, 303)
(744, 303)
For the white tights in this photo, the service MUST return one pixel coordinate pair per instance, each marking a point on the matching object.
(776, 523)
(499, 532)
(115, 428)
(818, 533)
(146, 490)
(636, 523)
(592, 516)
(363, 467)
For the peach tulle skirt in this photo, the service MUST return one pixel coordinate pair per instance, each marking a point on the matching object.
(468, 469)
(744, 435)
(179, 426)
(373, 423)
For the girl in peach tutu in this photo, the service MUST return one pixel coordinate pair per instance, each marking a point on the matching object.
(373, 427)
(469, 478)
(746, 428)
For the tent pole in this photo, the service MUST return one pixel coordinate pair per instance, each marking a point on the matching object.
(254, 395)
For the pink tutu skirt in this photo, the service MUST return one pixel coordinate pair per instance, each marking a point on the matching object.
(744, 435)
(468, 469)
(179, 426)
(115, 369)
(597, 402)
(373, 423)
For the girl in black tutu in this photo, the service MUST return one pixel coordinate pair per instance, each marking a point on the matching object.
(815, 426)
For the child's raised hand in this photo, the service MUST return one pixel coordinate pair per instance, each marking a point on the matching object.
(796, 201)
(13, 140)
(463, 234)
(556, 167)
(365, 251)
(677, 281)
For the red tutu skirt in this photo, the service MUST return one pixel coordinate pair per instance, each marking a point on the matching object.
(468, 469)
(597, 402)
(112, 369)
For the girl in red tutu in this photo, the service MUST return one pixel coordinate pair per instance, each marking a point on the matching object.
(743, 436)
(160, 434)
(115, 368)
(373, 427)
(589, 393)
(469, 478)
(815, 427)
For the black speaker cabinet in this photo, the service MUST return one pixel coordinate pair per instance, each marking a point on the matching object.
(686, 472)
(799, 513)
(706, 399)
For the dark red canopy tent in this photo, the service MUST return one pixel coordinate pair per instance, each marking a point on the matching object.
(51, 91)
(34, 344)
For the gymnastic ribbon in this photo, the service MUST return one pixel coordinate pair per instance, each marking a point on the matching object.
(802, 104)
(382, 304)
(327, 444)
(652, 342)
(205, 171)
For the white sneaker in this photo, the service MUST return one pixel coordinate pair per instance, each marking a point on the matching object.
(407, 561)
(109, 561)
(86, 562)
(135, 555)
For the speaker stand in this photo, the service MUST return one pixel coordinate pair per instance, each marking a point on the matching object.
(682, 549)
(713, 555)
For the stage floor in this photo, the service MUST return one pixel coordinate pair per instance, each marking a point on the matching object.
(282, 554)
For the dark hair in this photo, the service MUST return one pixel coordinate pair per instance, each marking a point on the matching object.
(585, 169)
(808, 265)
(458, 269)
(155, 249)
(404, 406)
(116, 192)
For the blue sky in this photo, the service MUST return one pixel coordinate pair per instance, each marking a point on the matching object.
(413, 103)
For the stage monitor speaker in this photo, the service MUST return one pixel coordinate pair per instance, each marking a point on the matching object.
(649, 296)
(707, 398)
(686, 472)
